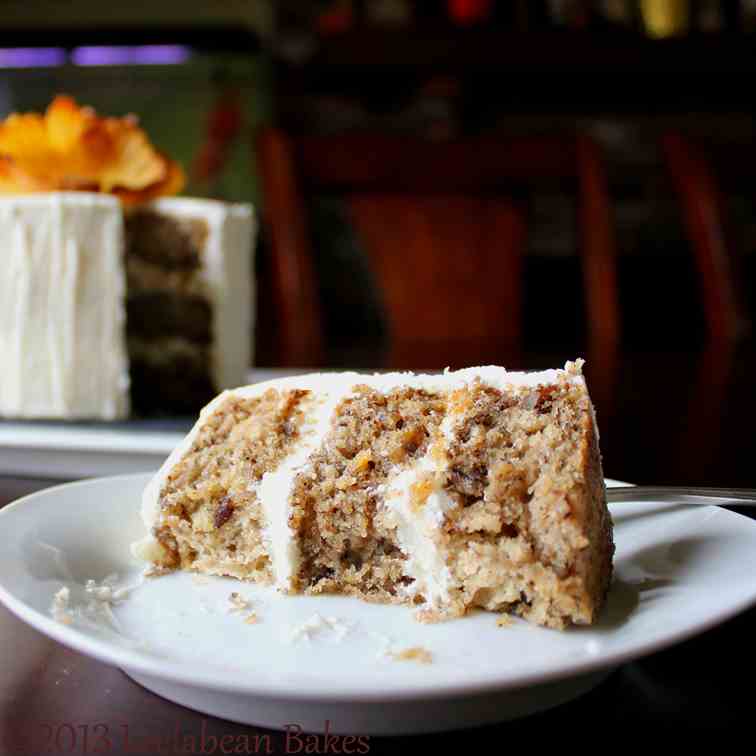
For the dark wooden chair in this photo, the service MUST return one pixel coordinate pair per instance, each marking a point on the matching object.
(444, 228)
(704, 218)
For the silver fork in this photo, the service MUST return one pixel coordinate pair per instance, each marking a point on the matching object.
(743, 497)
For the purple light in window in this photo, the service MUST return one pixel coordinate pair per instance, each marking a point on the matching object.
(161, 54)
(31, 57)
(135, 55)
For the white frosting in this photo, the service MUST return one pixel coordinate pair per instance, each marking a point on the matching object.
(416, 528)
(316, 625)
(416, 525)
(62, 314)
(227, 278)
(273, 491)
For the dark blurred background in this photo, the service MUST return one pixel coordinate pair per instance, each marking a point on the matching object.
(453, 182)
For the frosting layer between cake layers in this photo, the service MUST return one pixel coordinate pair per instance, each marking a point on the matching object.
(414, 503)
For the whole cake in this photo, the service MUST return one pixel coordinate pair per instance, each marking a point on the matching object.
(112, 295)
(475, 488)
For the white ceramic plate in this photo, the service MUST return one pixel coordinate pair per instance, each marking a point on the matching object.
(66, 450)
(678, 570)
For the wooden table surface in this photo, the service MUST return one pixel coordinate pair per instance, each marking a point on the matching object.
(668, 418)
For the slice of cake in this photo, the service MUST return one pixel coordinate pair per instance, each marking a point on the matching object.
(114, 295)
(476, 488)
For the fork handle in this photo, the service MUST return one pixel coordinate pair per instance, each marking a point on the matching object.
(693, 495)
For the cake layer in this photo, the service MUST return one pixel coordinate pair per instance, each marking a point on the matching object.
(169, 375)
(62, 307)
(476, 488)
(157, 315)
(170, 243)
(189, 264)
(143, 276)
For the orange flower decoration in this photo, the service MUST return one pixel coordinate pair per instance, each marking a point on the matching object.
(71, 148)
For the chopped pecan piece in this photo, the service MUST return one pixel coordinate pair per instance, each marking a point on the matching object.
(223, 512)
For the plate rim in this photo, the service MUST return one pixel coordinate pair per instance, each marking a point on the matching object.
(207, 678)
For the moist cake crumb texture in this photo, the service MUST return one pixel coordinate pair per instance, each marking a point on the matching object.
(169, 324)
(521, 537)
(475, 489)
(212, 521)
(345, 541)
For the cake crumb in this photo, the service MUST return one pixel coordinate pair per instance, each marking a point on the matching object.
(106, 592)
(428, 616)
(251, 619)
(420, 490)
(238, 602)
(97, 608)
(415, 653)
(316, 624)
(504, 620)
(60, 606)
